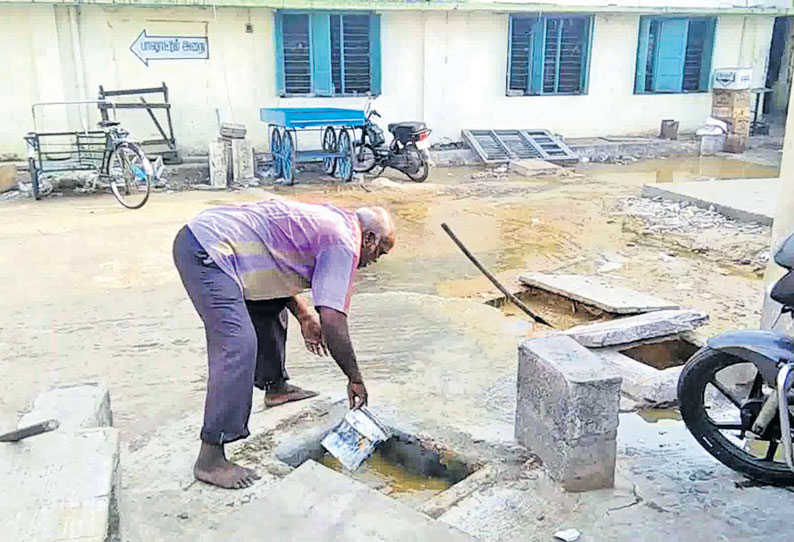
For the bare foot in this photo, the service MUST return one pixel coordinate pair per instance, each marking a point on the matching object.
(286, 393)
(213, 468)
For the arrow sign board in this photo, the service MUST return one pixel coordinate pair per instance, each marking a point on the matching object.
(148, 48)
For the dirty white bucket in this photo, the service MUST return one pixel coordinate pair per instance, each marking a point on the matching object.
(354, 439)
(711, 144)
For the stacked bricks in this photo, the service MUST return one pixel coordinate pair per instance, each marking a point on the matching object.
(733, 107)
(567, 411)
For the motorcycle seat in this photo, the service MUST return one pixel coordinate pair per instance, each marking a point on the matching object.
(411, 127)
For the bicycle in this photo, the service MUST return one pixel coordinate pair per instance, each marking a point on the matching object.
(118, 161)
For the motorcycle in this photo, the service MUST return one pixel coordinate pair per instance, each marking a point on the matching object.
(749, 373)
(408, 151)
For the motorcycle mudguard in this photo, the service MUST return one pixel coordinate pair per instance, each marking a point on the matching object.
(765, 349)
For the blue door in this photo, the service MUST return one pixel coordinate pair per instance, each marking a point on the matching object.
(670, 55)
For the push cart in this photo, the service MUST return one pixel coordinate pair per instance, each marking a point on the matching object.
(336, 126)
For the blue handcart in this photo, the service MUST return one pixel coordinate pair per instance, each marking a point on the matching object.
(337, 127)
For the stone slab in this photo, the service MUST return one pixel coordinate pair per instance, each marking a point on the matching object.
(60, 486)
(533, 168)
(593, 291)
(314, 503)
(242, 160)
(567, 411)
(648, 386)
(219, 164)
(650, 325)
(8, 177)
(75, 407)
(747, 200)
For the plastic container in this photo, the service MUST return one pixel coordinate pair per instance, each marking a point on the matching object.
(354, 439)
(711, 144)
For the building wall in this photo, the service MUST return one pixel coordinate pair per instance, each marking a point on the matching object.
(446, 68)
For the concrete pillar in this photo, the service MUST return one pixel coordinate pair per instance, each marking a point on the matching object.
(567, 411)
(782, 227)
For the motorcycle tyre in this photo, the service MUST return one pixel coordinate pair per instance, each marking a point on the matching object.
(692, 382)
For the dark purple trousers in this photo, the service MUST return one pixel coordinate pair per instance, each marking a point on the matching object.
(246, 340)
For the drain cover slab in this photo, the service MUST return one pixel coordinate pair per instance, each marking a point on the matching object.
(593, 291)
(317, 504)
(637, 328)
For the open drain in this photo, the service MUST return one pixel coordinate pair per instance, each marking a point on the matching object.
(664, 354)
(560, 311)
(402, 467)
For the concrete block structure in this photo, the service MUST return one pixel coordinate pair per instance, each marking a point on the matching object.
(567, 411)
(63, 485)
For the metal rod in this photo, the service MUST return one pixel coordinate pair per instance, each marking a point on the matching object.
(30, 431)
(513, 299)
(783, 386)
(156, 122)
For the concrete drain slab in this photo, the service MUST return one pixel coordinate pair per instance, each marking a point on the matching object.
(592, 291)
(60, 486)
(314, 503)
(637, 328)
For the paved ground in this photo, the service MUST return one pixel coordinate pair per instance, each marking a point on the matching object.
(750, 200)
(91, 294)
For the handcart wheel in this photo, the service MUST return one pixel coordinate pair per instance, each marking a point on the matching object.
(275, 150)
(288, 158)
(329, 146)
(344, 164)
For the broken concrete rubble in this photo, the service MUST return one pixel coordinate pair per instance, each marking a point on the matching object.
(636, 328)
(567, 411)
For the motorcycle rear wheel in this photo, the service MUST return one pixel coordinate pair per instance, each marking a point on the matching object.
(721, 438)
(421, 173)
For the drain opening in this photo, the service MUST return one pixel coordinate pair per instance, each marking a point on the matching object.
(560, 311)
(402, 467)
(664, 354)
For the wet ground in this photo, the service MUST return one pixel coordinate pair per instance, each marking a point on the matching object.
(89, 293)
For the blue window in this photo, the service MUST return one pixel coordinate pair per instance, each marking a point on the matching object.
(327, 54)
(674, 54)
(548, 54)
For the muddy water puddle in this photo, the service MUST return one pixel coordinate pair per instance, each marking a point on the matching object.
(393, 479)
(679, 170)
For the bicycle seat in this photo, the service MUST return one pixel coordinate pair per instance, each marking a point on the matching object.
(108, 123)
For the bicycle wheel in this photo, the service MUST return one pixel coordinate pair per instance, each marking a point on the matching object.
(130, 175)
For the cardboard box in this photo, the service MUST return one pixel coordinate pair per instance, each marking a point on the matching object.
(740, 113)
(741, 127)
(735, 144)
(731, 98)
(733, 78)
(722, 113)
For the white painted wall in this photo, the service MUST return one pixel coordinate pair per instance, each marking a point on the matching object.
(446, 68)
(667, 4)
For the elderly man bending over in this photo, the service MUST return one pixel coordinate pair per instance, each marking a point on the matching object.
(243, 267)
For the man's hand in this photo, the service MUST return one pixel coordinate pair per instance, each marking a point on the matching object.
(313, 334)
(337, 337)
(357, 394)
